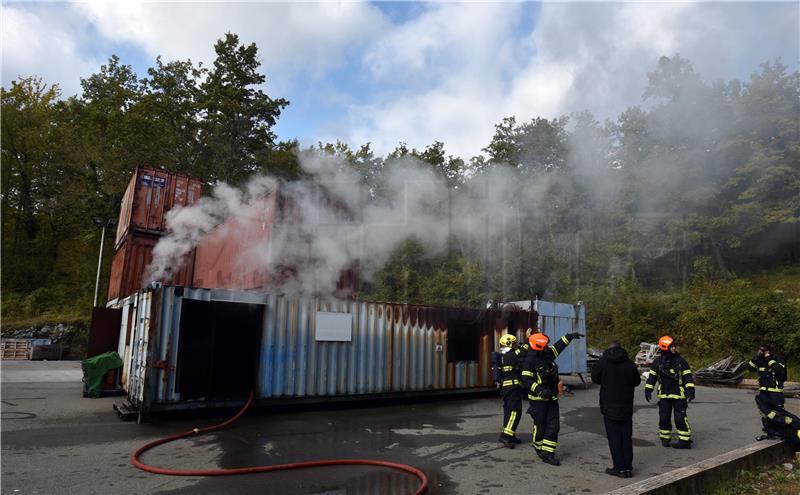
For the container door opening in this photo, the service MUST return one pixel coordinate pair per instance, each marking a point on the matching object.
(218, 349)
(463, 340)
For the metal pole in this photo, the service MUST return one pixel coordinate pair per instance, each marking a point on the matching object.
(99, 263)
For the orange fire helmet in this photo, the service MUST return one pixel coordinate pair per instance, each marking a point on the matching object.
(538, 341)
(664, 342)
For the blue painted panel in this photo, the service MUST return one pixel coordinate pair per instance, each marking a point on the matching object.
(559, 319)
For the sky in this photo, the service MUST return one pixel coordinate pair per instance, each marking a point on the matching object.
(411, 72)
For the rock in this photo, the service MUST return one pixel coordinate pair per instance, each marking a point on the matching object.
(788, 466)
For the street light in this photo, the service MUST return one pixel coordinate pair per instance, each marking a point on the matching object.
(99, 222)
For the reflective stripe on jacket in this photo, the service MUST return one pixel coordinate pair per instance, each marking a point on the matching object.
(671, 376)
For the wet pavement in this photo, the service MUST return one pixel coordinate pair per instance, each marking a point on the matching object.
(55, 441)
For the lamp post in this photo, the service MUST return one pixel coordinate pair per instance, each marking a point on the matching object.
(99, 222)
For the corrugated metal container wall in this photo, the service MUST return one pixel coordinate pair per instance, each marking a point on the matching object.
(559, 319)
(150, 195)
(225, 257)
(392, 348)
(130, 262)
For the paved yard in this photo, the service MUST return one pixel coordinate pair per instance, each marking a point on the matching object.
(55, 441)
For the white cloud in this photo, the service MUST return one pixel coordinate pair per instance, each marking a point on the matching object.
(43, 43)
(585, 56)
(291, 37)
(448, 72)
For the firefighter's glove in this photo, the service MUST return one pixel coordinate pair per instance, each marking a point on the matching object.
(690, 394)
(574, 335)
(648, 394)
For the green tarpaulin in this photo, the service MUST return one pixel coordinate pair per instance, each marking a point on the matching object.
(95, 368)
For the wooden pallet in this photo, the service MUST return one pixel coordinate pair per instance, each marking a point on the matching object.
(15, 349)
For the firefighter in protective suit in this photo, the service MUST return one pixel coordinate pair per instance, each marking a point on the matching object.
(511, 388)
(673, 377)
(540, 379)
(777, 422)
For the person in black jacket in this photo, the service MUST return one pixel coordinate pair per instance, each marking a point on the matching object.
(618, 378)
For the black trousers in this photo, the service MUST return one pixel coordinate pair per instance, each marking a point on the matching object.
(512, 412)
(620, 442)
(546, 424)
(775, 419)
(668, 408)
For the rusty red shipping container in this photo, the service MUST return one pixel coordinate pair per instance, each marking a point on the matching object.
(149, 196)
(229, 257)
(128, 268)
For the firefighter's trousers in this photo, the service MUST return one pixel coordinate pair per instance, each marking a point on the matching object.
(676, 408)
(775, 419)
(512, 411)
(546, 419)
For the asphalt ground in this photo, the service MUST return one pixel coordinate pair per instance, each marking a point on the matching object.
(54, 441)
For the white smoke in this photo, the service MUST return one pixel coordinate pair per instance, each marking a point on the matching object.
(328, 223)
(187, 226)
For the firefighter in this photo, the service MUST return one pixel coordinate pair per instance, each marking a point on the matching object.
(540, 379)
(510, 388)
(775, 420)
(675, 389)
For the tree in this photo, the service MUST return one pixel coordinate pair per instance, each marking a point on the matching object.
(237, 116)
(170, 106)
(30, 179)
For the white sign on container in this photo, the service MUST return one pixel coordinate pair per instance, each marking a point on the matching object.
(334, 327)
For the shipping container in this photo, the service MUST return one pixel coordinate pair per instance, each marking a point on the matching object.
(130, 262)
(234, 255)
(228, 257)
(150, 194)
(193, 348)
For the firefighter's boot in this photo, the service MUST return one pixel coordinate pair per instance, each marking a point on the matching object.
(682, 444)
(550, 459)
(507, 442)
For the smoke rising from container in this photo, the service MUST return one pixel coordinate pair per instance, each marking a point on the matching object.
(636, 178)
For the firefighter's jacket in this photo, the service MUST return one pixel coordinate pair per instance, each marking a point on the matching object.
(540, 371)
(769, 372)
(672, 374)
(511, 362)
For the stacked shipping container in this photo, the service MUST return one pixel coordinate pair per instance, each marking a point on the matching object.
(150, 195)
(227, 258)
(231, 256)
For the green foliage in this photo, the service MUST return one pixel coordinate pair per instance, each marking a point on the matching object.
(710, 320)
(66, 161)
(739, 316)
(411, 276)
(775, 480)
(629, 314)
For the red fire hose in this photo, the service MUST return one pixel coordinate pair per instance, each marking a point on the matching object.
(261, 469)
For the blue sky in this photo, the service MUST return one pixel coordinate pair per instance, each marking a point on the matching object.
(412, 72)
